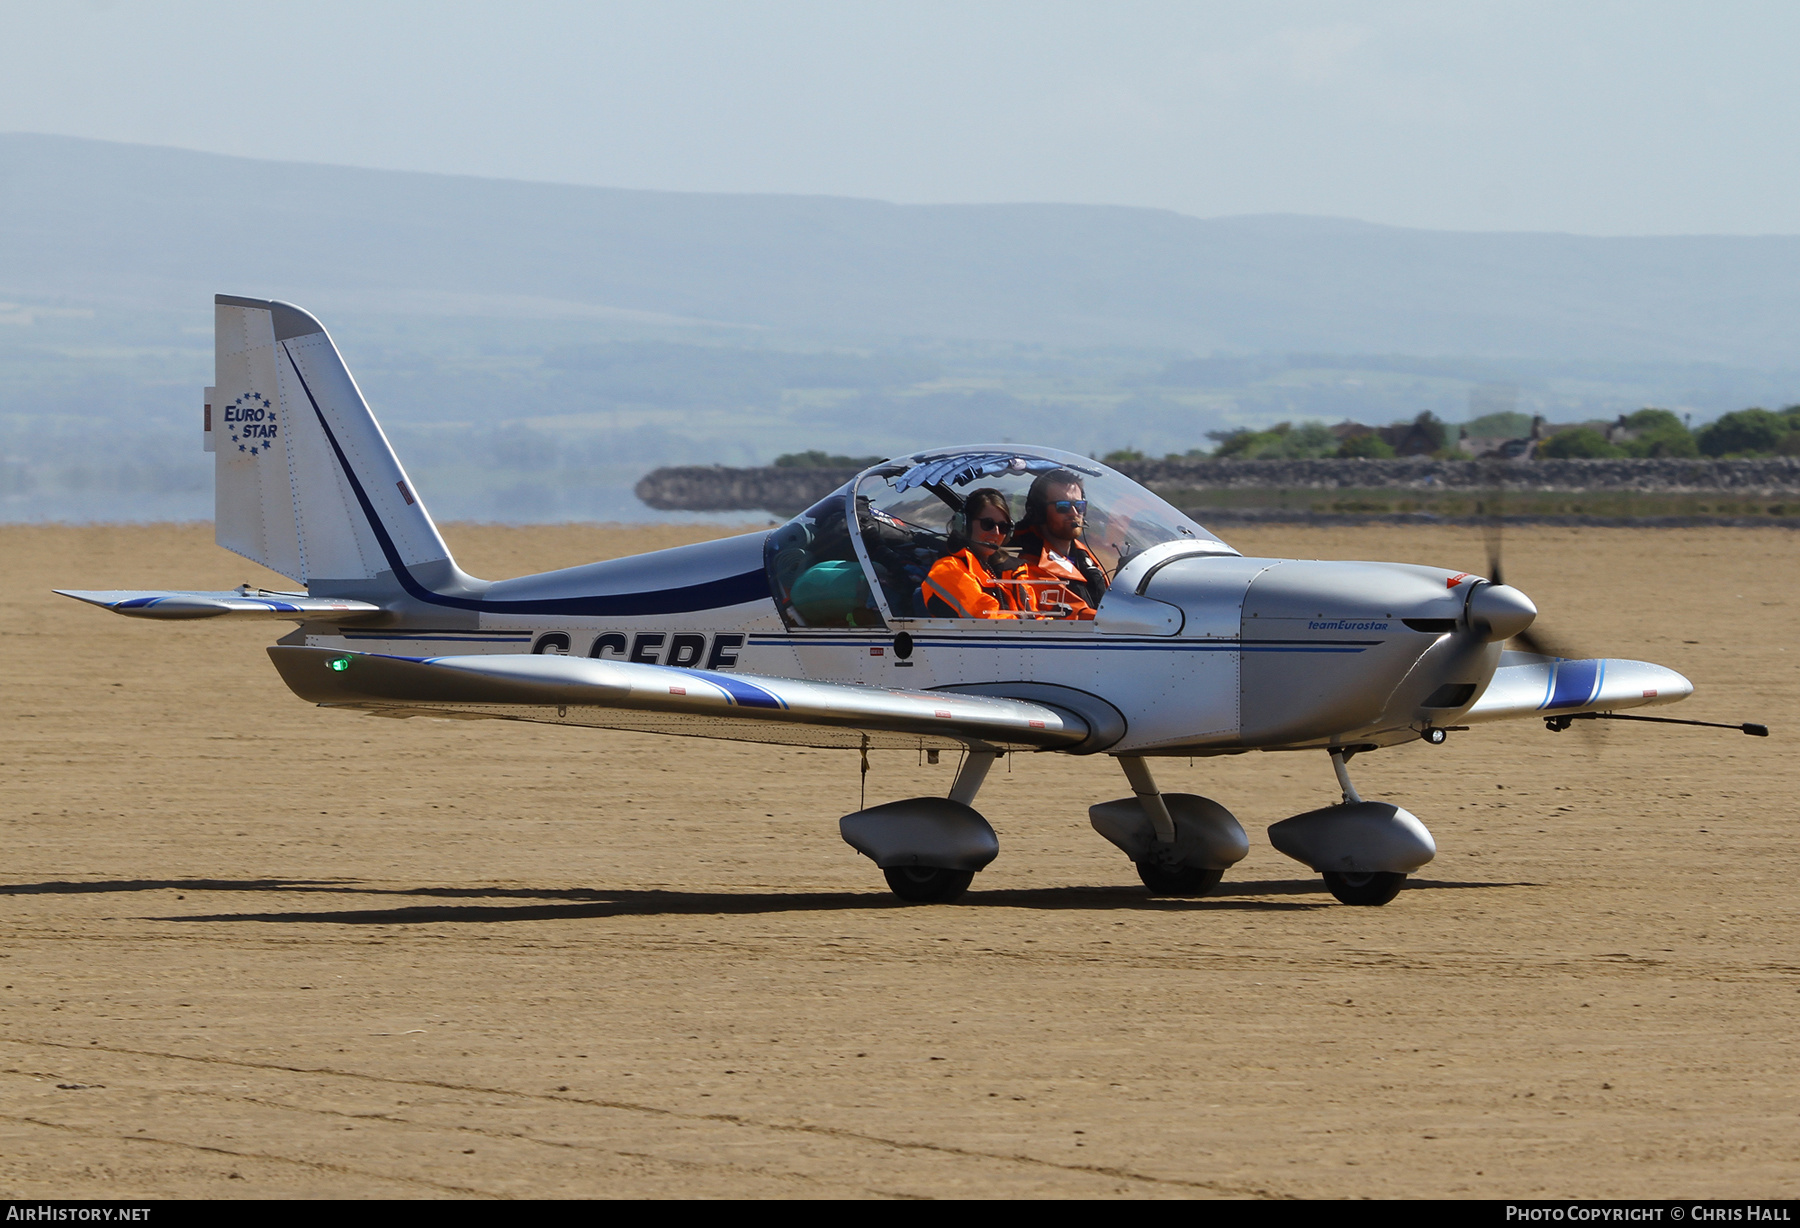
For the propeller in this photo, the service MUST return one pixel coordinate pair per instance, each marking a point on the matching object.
(1529, 638)
(1492, 510)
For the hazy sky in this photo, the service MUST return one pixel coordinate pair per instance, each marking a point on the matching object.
(1600, 118)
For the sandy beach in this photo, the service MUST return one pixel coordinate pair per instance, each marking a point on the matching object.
(253, 948)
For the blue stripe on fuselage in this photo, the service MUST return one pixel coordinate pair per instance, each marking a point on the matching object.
(1095, 645)
(473, 637)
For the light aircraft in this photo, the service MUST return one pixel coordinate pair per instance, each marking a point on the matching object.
(816, 633)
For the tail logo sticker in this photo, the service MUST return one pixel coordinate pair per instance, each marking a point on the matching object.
(251, 421)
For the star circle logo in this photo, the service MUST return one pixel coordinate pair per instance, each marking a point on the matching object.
(250, 420)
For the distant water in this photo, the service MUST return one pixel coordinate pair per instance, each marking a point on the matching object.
(526, 505)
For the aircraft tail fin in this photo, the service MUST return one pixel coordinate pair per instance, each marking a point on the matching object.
(305, 482)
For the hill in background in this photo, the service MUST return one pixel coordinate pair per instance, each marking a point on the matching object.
(534, 348)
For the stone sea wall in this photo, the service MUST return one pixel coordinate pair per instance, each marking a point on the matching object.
(1775, 476)
(715, 488)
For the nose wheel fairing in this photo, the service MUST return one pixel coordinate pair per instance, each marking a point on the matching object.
(1356, 838)
(1181, 843)
(1206, 835)
(1363, 849)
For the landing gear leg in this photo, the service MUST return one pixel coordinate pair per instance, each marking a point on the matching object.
(1161, 872)
(1338, 759)
(972, 774)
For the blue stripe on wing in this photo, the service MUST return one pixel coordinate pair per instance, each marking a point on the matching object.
(268, 603)
(1575, 683)
(743, 694)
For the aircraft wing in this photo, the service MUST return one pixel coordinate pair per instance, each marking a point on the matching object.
(668, 699)
(232, 603)
(1530, 685)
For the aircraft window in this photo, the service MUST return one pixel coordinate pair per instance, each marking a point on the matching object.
(814, 572)
(903, 541)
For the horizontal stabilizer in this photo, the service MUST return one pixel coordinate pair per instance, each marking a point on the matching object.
(232, 603)
(617, 694)
(1529, 685)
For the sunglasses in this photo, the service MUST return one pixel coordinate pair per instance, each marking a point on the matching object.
(994, 526)
(1066, 506)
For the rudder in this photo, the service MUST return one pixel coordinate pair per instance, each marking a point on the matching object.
(305, 481)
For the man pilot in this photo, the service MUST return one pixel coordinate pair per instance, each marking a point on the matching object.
(1060, 570)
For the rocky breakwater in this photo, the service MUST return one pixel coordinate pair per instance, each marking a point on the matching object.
(715, 488)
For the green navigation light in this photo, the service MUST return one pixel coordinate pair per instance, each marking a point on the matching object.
(340, 664)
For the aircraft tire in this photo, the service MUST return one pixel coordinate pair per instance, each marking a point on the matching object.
(1178, 880)
(928, 884)
(1370, 890)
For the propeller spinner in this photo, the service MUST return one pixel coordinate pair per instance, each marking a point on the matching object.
(1499, 611)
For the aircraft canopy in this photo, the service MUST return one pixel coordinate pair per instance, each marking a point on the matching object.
(858, 557)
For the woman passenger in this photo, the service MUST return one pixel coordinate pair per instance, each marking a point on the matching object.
(972, 582)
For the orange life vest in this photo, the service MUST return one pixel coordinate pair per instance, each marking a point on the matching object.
(1047, 579)
(961, 584)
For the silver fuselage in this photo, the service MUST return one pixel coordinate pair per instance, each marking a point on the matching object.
(1202, 652)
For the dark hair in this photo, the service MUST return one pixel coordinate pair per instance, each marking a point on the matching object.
(1037, 499)
(973, 502)
(987, 496)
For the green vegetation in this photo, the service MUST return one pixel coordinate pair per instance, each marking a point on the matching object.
(1371, 445)
(1507, 424)
(1433, 429)
(1646, 433)
(1753, 432)
(1456, 504)
(1658, 433)
(1427, 434)
(1578, 443)
(1284, 441)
